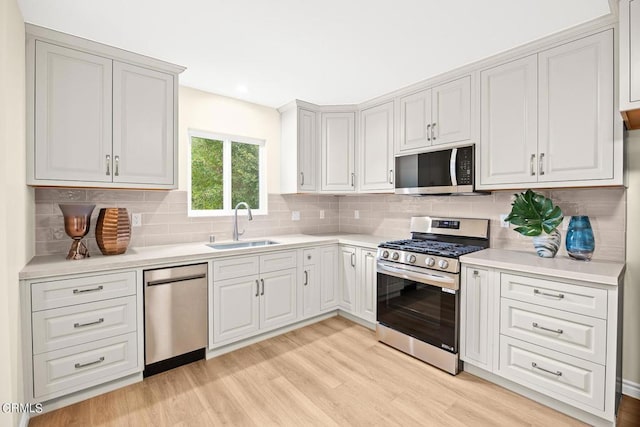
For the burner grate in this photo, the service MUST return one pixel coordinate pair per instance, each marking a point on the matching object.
(452, 250)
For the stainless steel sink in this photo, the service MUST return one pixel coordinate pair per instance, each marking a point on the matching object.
(238, 245)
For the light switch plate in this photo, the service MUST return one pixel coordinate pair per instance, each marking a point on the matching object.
(356, 214)
(136, 220)
(503, 223)
(295, 215)
(321, 214)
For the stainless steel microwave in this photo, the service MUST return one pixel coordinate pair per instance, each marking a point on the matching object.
(436, 172)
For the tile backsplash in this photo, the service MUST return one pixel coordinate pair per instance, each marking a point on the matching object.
(165, 220)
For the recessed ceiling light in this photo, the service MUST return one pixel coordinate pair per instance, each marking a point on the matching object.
(242, 89)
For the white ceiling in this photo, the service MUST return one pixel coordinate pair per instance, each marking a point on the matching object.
(322, 51)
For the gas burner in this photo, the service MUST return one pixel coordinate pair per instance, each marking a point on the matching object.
(451, 250)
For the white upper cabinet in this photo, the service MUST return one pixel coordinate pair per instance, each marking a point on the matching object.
(98, 116)
(376, 148)
(438, 115)
(338, 152)
(72, 115)
(300, 149)
(630, 62)
(509, 122)
(548, 118)
(143, 148)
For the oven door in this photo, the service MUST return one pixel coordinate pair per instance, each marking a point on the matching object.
(423, 305)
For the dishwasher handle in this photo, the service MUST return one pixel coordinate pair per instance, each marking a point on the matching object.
(176, 279)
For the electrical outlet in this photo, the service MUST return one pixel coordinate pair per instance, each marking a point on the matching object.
(503, 223)
(356, 214)
(295, 215)
(321, 214)
(136, 220)
(565, 222)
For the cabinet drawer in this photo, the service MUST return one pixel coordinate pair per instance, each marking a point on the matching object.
(563, 296)
(74, 368)
(61, 293)
(310, 256)
(277, 261)
(79, 324)
(570, 333)
(566, 378)
(235, 267)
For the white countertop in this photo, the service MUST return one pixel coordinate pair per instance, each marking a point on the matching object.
(561, 267)
(57, 265)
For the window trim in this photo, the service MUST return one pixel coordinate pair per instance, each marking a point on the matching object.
(227, 139)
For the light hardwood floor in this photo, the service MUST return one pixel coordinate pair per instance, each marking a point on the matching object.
(330, 373)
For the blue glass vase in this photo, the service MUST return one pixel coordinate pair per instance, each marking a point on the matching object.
(580, 242)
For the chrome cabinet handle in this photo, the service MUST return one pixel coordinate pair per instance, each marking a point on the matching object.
(433, 132)
(541, 164)
(390, 176)
(82, 291)
(429, 132)
(353, 259)
(531, 162)
(353, 179)
(83, 365)
(301, 178)
(108, 160)
(556, 373)
(557, 331)
(538, 292)
(80, 325)
(306, 278)
(117, 166)
(262, 281)
(257, 288)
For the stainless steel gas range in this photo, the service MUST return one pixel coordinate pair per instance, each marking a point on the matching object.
(418, 287)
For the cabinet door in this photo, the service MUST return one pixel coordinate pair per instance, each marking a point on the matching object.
(310, 291)
(307, 151)
(367, 301)
(72, 115)
(451, 112)
(376, 149)
(329, 278)
(576, 110)
(476, 339)
(278, 298)
(143, 120)
(235, 308)
(509, 122)
(634, 50)
(348, 278)
(338, 152)
(415, 121)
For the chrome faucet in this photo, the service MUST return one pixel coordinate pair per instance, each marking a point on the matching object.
(236, 234)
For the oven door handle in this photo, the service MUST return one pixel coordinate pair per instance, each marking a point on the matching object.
(421, 277)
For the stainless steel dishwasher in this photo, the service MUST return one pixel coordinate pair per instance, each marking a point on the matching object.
(175, 316)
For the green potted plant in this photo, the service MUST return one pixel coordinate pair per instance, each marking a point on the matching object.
(536, 216)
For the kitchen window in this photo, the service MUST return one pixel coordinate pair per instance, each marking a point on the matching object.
(223, 171)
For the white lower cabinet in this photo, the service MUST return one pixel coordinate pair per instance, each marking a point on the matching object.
(254, 302)
(319, 280)
(348, 275)
(329, 277)
(358, 282)
(551, 336)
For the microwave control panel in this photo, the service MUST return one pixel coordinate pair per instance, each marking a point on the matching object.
(464, 173)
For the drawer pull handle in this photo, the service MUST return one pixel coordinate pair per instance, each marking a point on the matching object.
(557, 331)
(556, 373)
(537, 292)
(84, 365)
(80, 325)
(82, 291)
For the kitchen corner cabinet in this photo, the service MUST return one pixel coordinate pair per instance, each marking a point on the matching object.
(376, 160)
(439, 115)
(338, 161)
(630, 62)
(98, 116)
(299, 152)
(548, 117)
(319, 280)
(358, 282)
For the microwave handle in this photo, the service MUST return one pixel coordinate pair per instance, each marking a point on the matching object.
(452, 167)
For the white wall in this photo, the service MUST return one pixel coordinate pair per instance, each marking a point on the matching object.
(215, 113)
(631, 339)
(16, 200)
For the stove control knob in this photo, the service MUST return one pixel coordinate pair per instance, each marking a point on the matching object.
(395, 256)
(412, 259)
(385, 254)
(443, 263)
(429, 261)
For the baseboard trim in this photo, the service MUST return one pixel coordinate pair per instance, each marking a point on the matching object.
(631, 389)
(24, 420)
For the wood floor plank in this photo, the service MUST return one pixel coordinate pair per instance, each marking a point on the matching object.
(327, 374)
